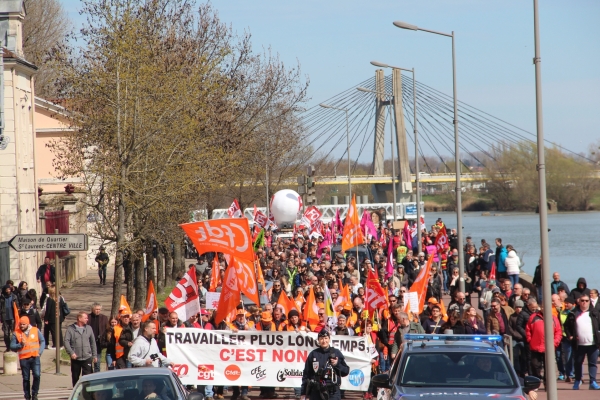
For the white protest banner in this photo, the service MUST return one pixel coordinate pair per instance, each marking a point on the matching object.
(255, 358)
(212, 300)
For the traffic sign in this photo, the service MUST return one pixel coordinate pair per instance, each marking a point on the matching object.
(50, 242)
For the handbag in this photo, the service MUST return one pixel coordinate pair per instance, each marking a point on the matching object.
(65, 308)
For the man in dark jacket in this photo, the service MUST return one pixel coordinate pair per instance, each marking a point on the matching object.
(522, 320)
(556, 283)
(130, 332)
(581, 289)
(45, 274)
(31, 313)
(99, 324)
(582, 327)
(7, 317)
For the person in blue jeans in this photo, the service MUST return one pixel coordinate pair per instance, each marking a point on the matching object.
(30, 344)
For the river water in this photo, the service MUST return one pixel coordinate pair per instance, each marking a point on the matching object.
(574, 239)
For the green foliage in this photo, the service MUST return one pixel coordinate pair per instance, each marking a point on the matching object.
(513, 179)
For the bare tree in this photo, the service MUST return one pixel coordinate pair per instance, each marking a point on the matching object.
(45, 25)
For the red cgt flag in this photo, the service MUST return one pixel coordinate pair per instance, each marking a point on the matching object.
(375, 296)
(441, 240)
(230, 236)
(234, 210)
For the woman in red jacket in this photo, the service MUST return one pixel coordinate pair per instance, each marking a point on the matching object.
(535, 337)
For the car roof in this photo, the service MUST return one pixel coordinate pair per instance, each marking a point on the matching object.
(127, 372)
(421, 346)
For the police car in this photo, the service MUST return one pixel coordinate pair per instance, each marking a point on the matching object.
(453, 366)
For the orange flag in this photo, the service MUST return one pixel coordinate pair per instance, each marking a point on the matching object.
(246, 276)
(421, 283)
(285, 303)
(215, 276)
(352, 235)
(230, 295)
(151, 303)
(443, 310)
(230, 236)
(16, 315)
(260, 277)
(124, 306)
(311, 309)
(343, 297)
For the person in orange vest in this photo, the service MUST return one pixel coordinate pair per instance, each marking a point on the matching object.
(30, 344)
(293, 322)
(122, 361)
(266, 322)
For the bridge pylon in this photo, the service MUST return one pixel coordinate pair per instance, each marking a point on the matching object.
(404, 185)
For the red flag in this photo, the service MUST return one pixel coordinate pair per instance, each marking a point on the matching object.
(493, 271)
(234, 210)
(352, 235)
(260, 219)
(230, 236)
(375, 297)
(184, 298)
(151, 303)
(441, 240)
(230, 295)
(311, 216)
(215, 276)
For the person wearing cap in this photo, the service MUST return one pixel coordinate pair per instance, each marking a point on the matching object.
(294, 324)
(124, 320)
(324, 369)
(102, 259)
(266, 322)
(29, 343)
(241, 324)
(518, 339)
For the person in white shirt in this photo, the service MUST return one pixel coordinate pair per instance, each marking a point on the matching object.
(145, 348)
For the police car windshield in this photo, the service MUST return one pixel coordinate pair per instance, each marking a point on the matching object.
(456, 369)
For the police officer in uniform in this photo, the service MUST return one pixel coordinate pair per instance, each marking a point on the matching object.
(323, 371)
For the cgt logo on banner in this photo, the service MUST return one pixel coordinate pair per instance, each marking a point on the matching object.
(205, 372)
(250, 356)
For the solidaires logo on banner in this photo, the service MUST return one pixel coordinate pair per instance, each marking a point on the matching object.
(274, 359)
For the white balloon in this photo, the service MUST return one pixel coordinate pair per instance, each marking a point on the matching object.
(284, 206)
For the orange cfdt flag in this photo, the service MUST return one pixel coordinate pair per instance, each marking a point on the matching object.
(151, 302)
(420, 284)
(311, 309)
(246, 276)
(228, 235)
(230, 295)
(285, 303)
(352, 236)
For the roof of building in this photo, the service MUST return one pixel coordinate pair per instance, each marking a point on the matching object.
(10, 55)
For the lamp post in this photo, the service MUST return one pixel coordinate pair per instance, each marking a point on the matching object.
(550, 369)
(458, 190)
(347, 144)
(362, 89)
(417, 178)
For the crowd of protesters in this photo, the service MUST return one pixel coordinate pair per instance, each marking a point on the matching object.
(296, 265)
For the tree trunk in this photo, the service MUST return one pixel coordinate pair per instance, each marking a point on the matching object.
(168, 266)
(151, 275)
(177, 257)
(140, 285)
(160, 272)
(129, 271)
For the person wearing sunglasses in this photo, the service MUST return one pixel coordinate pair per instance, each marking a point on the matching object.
(582, 327)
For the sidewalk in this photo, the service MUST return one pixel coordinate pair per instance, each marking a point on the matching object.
(79, 296)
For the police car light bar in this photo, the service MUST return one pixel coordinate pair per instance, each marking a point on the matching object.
(476, 338)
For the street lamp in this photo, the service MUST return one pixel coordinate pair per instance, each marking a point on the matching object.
(417, 178)
(550, 369)
(362, 89)
(461, 264)
(347, 145)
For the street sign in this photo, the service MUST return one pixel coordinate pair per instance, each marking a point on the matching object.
(50, 242)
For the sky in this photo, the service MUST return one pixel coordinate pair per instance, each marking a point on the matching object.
(334, 41)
